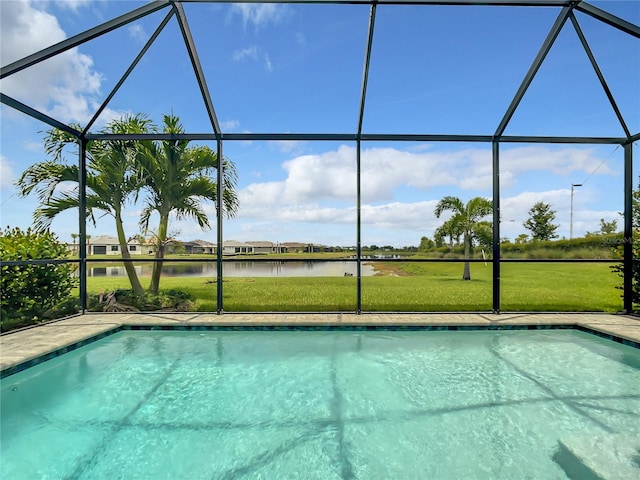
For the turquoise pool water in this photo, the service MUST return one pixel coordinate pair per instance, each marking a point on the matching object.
(317, 405)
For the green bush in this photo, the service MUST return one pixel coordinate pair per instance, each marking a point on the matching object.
(593, 246)
(635, 272)
(33, 293)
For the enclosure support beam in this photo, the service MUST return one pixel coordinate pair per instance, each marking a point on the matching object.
(628, 229)
(82, 214)
(219, 199)
(27, 110)
(609, 19)
(595, 66)
(197, 67)
(496, 227)
(83, 37)
(129, 70)
(496, 3)
(365, 73)
(365, 137)
(533, 70)
(363, 96)
(358, 229)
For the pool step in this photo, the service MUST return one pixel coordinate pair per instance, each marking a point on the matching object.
(603, 457)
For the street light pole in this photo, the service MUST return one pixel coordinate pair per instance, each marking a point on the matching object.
(573, 185)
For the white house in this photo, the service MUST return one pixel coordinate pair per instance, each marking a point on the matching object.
(234, 247)
(262, 247)
(107, 245)
(202, 246)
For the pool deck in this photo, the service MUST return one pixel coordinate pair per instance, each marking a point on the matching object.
(22, 346)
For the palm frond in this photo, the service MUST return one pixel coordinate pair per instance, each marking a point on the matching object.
(479, 207)
(449, 203)
(46, 212)
(145, 216)
(43, 178)
(55, 141)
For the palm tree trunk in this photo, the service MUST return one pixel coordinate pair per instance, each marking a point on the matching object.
(154, 286)
(466, 274)
(136, 286)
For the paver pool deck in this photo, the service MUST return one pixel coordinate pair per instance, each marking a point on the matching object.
(24, 345)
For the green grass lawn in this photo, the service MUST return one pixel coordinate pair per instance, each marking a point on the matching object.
(428, 287)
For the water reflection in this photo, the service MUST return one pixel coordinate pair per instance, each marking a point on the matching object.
(240, 269)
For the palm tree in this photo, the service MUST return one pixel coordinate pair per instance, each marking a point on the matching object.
(177, 178)
(468, 218)
(449, 229)
(111, 181)
(74, 237)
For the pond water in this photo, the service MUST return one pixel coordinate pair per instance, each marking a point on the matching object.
(239, 269)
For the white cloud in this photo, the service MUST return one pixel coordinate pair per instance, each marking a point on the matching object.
(137, 32)
(73, 4)
(558, 161)
(252, 53)
(33, 146)
(289, 146)
(301, 39)
(394, 215)
(65, 86)
(321, 188)
(260, 14)
(332, 175)
(7, 177)
(246, 53)
(108, 115)
(229, 125)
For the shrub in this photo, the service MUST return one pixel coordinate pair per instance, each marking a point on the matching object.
(123, 300)
(32, 293)
(635, 271)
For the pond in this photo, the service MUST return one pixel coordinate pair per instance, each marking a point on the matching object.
(239, 269)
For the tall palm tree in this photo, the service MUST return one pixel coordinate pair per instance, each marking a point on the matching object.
(177, 179)
(468, 218)
(111, 181)
(74, 236)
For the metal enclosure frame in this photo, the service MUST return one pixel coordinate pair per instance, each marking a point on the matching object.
(175, 9)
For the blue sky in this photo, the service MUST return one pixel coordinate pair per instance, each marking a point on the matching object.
(298, 68)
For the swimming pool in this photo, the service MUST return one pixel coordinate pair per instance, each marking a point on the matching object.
(318, 404)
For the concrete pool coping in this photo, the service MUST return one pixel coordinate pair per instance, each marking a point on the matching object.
(23, 346)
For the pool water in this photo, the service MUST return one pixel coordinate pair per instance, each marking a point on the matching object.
(317, 405)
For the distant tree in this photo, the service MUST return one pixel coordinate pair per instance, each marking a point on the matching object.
(522, 238)
(540, 222)
(176, 246)
(74, 237)
(608, 227)
(426, 244)
(483, 234)
(468, 219)
(452, 229)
